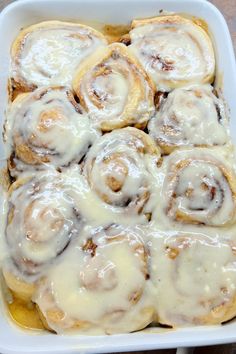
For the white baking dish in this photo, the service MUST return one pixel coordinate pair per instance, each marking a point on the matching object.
(26, 12)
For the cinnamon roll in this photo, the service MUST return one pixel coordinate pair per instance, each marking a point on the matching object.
(42, 221)
(200, 188)
(47, 127)
(195, 280)
(99, 285)
(49, 52)
(174, 51)
(116, 168)
(114, 89)
(186, 117)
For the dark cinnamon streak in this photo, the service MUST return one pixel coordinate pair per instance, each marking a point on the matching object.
(166, 65)
(90, 247)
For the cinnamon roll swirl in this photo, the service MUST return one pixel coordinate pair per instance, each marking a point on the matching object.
(106, 277)
(47, 54)
(174, 51)
(114, 89)
(116, 168)
(186, 117)
(200, 188)
(195, 280)
(47, 127)
(42, 221)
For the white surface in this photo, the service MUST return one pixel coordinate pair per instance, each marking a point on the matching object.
(26, 12)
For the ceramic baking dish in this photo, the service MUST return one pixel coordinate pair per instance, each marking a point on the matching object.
(26, 12)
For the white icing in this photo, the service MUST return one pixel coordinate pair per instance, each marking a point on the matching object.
(173, 54)
(42, 219)
(50, 53)
(94, 210)
(98, 288)
(187, 116)
(50, 125)
(194, 186)
(105, 198)
(114, 89)
(117, 159)
(193, 275)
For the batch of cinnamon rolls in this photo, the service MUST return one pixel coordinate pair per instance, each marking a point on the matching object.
(122, 196)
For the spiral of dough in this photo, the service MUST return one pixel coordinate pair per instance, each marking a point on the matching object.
(48, 53)
(114, 89)
(42, 221)
(116, 168)
(200, 188)
(195, 280)
(106, 276)
(47, 127)
(173, 50)
(186, 117)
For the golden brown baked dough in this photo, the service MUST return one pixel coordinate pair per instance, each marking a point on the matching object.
(42, 221)
(22, 289)
(190, 116)
(195, 277)
(116, 168)
(200, 188)
(114, 89)
(48, 128)
(91, 225)
(47, 53)
(107, 276)
(173, 50)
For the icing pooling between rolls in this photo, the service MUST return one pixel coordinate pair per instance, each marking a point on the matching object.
(109, 281)
(64, 270)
